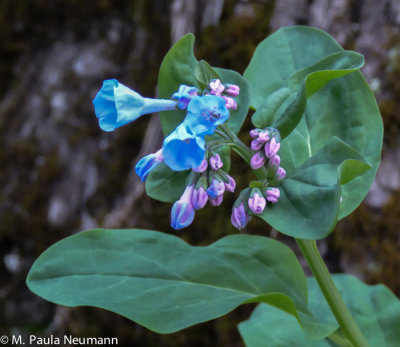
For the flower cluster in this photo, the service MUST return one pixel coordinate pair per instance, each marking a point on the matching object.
(116, 105)
(265, 144)
(207, 182)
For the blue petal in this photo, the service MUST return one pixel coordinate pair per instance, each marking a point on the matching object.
(116, 105)
(205, 113)
(184, 95)
(146, 164)
(183, 150)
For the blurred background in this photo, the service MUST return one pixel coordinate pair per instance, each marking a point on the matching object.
(60, 174)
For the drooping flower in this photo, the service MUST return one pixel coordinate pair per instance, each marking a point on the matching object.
(205, 113)
(182, 213)
(256, 201)
(116, 105)
(184, 95)
(148, 163)
(183, 150)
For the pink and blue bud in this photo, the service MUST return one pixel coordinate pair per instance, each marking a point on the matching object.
(272, 195)
(116, 105)
(216, 201)
(256, 201)
(256, 145)
(239, 217)
(216, 188)
(230, 103)
(274, 163)
(182, 213)
(199, 198)
(202, 167)
(231, 185)
(184, 95)
(148, 163)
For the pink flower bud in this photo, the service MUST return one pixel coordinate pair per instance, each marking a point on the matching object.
(216, 87)
(257, 203)
(263, 136)
(199, 198)
(232, 90)
(257, 160)
(274, 162)
(216, 162)
(230, 103)
(280, 174)
(271, 148)
(202, 167)
(254, 133)
(256, 145)
(273, 195)
(239, 217)
(230, 187)
(216, 201)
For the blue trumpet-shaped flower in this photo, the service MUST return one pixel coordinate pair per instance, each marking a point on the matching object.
(148, 163)
(116, 105)
(205, 113)
(183, 150)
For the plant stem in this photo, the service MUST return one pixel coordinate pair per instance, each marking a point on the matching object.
(331, 293)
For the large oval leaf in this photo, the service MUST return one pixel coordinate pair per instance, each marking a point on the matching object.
(344, 108)
(166, 285)
(375, 309)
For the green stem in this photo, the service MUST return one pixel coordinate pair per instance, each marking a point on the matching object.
(315, 262)
(331, 293)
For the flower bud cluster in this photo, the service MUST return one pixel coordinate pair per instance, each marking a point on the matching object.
(252, 201)
(226, 92)
(207, 182)
(266, 144)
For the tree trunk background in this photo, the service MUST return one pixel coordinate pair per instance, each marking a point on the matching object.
(60, 174)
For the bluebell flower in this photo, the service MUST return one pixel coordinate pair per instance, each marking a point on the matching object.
(116, 105)
(205, 113)
(183, 150)
(148, 163)
(182, 213)
(184, 95)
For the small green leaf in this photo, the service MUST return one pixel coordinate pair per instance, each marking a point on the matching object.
(204, 73)
(164, 184)
(162, 283)
(310, 194)
(375, 309)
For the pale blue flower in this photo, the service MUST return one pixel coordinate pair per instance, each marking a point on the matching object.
(205, 113)
(183, 150)
(116, 105)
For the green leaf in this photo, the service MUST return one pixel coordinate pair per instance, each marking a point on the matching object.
(176, 69)
(162, 283)
(375, 309)
(164, 184)
(310, 194)
(345, 107)
(204, 73)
